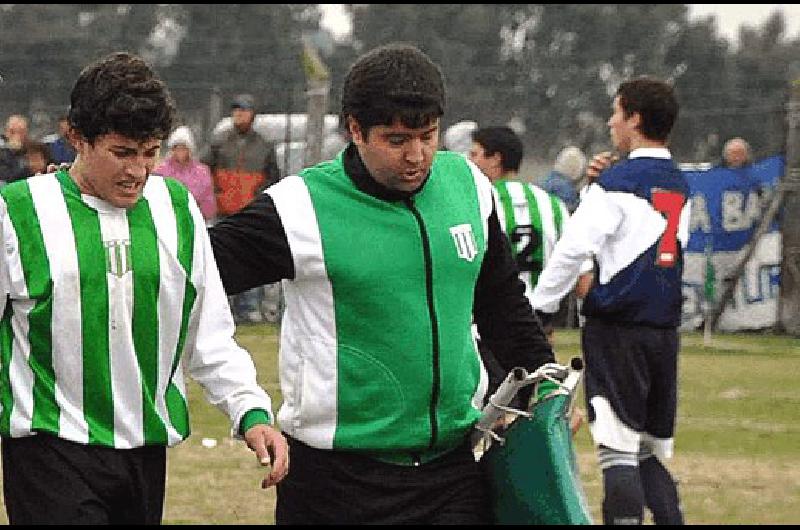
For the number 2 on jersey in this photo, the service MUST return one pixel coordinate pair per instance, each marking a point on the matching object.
(670, 204)
(530, 243)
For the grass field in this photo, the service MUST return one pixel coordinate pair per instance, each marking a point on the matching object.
(737, 443)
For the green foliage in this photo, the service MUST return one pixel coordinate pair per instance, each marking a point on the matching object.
(554, 67)
(550, 68)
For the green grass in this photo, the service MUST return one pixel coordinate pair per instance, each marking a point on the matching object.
(737, 442)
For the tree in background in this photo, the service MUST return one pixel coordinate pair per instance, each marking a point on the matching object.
(549, 70)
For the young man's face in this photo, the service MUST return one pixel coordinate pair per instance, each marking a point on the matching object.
(622, 129)
(489, 165)
(397, 156)
(115, 168)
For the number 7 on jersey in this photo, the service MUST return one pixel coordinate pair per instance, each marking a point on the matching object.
(669, 203)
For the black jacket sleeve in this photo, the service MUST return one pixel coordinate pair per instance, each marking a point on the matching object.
(251, 247)
(506, 322)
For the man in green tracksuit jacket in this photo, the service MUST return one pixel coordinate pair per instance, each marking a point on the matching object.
(388, 254)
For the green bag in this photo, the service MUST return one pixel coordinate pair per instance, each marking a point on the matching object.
(534, 475)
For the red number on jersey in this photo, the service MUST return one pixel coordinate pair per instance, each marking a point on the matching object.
(669, 203)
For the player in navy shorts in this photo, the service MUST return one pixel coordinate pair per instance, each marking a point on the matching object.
(633, 222)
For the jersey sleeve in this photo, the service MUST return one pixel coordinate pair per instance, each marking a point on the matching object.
(595, 220)
(251, 247)
(223, 369)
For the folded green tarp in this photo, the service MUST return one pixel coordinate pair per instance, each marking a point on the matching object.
(533, 475)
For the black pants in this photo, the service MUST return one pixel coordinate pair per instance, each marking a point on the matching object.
(47, 480)
(335, 487)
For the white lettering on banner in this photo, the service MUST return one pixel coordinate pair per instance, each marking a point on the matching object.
(698, 214)
(754, 304)
(738, 214)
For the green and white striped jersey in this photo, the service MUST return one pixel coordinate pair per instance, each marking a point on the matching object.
(103, 308)
(533, 220)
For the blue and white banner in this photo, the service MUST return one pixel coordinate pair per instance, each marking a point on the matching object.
(727, 205)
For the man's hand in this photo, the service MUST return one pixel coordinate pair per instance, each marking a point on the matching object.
(600, 162)
(270, 448)
(583, 284)
(52, 168)
(576, 420)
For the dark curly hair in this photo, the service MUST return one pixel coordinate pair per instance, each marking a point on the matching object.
(121, 94)
(501, 140)
(655, 101)
(393, 81)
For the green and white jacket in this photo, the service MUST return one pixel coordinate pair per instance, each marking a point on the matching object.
(377, 353)
(103, 308)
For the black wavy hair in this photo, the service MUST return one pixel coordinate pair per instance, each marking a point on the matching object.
(121, 94)
(501, 140)
(655, 102)
(395, 81)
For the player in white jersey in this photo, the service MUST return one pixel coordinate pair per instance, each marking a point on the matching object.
(633, 220)
(109, 291)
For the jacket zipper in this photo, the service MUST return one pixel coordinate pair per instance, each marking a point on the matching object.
(426, 249)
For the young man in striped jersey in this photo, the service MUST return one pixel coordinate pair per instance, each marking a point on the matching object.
(110, 291)
(633, 220)
(531, 217)
(386, 252)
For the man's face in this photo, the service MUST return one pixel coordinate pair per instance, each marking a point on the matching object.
(397, 156)
(622, 129)
(242, 118)
(489, 165)
(115, 168)
(16, 131)
(63, 127)
(36, 162)
(736, 154)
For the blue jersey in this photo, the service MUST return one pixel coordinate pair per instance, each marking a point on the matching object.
(634, 223)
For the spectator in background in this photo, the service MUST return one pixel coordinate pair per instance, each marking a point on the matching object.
(13, 163)
(736, 153)
(61, 150)
(242, 164)
(563, 179)
(37, 156)
(180, 165)
(458, 137)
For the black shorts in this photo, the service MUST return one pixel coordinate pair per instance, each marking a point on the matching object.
(337, 487)
(47, 480)
(631, 385)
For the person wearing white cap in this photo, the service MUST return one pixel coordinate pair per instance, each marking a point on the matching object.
(195, 175)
